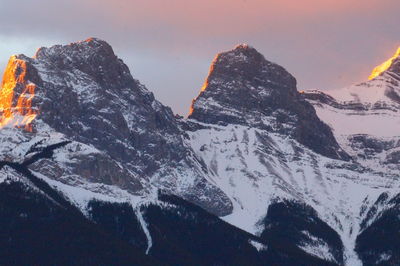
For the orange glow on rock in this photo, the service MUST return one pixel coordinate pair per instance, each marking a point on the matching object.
(16, 109)
(384, 66)
(205, 85)
(206, 82)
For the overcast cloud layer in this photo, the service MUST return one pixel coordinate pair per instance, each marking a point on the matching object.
(169, 44)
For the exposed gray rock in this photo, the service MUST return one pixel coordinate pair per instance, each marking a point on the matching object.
(252, 147)
(86, 93)
(244, 88)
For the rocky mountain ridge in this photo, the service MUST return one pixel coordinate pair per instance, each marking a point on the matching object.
(85, 94)
(365, 121)
(244, 88)
(258, 157)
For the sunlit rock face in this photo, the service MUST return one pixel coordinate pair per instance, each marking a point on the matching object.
(244, 88)
(266, 142)
(384, 66)
(120, 135)
(16, 94)
(395, 65)
(89, 94)
(366, 122)
(365, 117)
(99, 149)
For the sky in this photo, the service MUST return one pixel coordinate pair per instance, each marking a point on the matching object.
(169, 44)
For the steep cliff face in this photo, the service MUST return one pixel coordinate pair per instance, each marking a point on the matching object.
(81, 139)
(119, 134)
(249, 124)
(244, 88)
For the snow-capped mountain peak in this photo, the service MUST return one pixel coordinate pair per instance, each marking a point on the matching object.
(369, 107)
(244, 88)
(253, 153)
(381, 91)
(117, 132)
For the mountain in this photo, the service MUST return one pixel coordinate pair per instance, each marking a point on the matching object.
(258, 174)
(253, 163)
(365, 121)
(244, 88)
(364, 118)
(118, 133)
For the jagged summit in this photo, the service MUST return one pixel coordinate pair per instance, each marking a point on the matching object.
(245, 64)
(106, 157)
(244, 88)
(391, 65)
(243, 48)
(381, 91)
(245, 61)
(243, 45)
(366, 113)
(81, 52)
(93, 56)
(84, 94)
(90, 45)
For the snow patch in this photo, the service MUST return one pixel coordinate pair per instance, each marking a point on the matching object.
(317, 247)
(145, 229)
(259, 246)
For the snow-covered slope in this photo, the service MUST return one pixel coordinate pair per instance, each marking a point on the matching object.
(257, 166)
(366, 122)
(365, 118)
(302, 177)
(244, 88)
(117, 133)
(367, 108)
